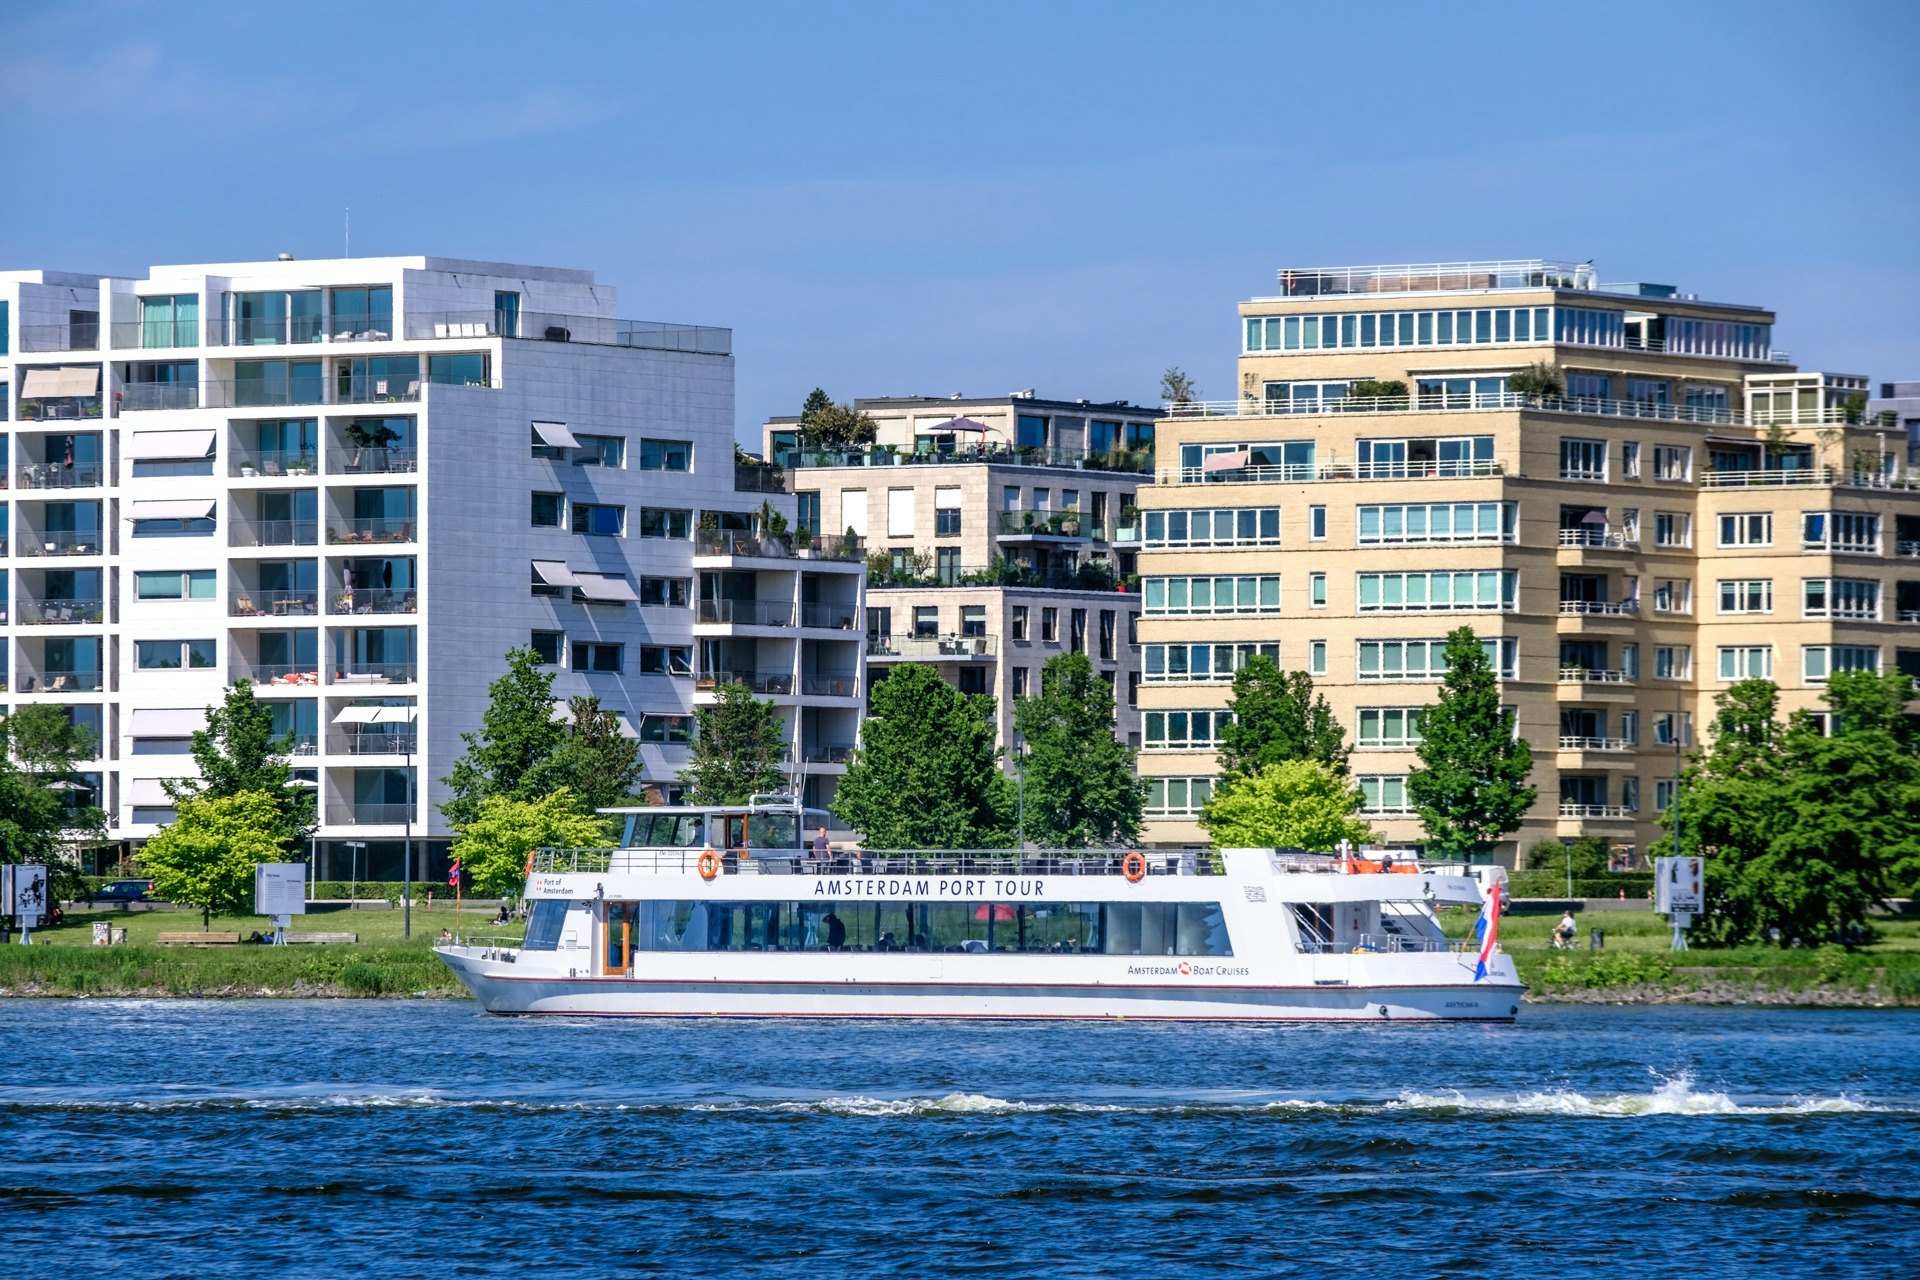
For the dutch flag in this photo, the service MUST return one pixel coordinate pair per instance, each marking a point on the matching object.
(1487, 931)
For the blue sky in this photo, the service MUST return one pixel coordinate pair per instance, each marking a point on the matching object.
(982, 197)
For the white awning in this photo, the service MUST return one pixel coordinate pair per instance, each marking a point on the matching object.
(148, 793)
(36, 383)
(152, 446)
(625, 726)
(563, 714)
(157, 722)
(1230, 461)
(555, 434)
(376, 715)
(183, 509)
(602, 586)
(554, 573)
(79, 380)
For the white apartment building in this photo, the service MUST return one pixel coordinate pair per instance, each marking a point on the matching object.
(358, 483)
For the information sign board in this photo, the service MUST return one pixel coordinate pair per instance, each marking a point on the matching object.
(1678, 886)
(280, 889)
(23, 893)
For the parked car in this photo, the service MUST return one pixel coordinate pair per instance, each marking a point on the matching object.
(124, 891)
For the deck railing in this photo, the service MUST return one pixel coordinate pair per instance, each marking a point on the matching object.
(875, 862)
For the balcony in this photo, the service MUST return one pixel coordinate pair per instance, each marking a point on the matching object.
(370, 530)
(76, 335)
(1611, 745)
(1305, 473)
(600, 331)
(724, 542)
(746, 613)
(1600, 608)
(79, 612)
(137, 397)
(275, 394)
(393, 460)
(1040, 524)
(1129, 461)
(85, 543)
(58, 475)
(749, 477)
(1475, 402)
(830, 686)
(1907, 615)
(828, 617)
(1804, 478)
(275, 533)
(1617, 812)
(1093, 575)
(60, 408)
(764, 683)
(274, 604)
(155, 335)
(274, 464)
(372, 600)
(1436, 277)
(373, 744)
(1594, 675)
(827, 752)
(355, 672)
(1907, 548)
(1599, 537)
(60, 682)
(299, 674)
(887, 648)
(366, 814)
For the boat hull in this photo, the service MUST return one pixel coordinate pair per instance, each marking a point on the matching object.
(501, 989)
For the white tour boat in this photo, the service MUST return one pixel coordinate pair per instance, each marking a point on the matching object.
(726, 911)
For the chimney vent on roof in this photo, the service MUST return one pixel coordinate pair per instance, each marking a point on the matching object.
(286, 257)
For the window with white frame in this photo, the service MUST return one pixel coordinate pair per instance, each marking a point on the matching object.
(1387, 728)
(1746, 662)
(1630, 459)
(1672, 662)
(1672, 529)
(1856, 598)
(1473, 326)
(1746, 595)
(1406, 523)
(1183, 730)
(1220, 527)
(1199, 596)
(1818, 661)
(1663, 792)
(1189, 663)
(1317, 590)
(1583, 459)
(1317, 657)
(899, 513)
(1747, 529)
(1177, 797)
(1672, 595)
(1437, 591)
(1673, 462)
(1845, 531)
(1384, 794)
(1426, 659)
(1316, 524)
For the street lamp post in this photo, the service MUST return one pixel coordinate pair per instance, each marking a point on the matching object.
(1019, 791)
(354, 849)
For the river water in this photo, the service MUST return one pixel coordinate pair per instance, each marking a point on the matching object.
(197, 1138)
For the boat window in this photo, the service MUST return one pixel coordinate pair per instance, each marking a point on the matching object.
(663, 831)
(773, 831)
(543, 925)
(1098, 928)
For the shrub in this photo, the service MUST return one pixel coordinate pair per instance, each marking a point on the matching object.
(363, 979)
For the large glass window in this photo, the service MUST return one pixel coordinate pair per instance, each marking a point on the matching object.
(1188, 663)
(1420, 522)
(666, 455)
(1437, 591)
(172, 320)
(1426, 659)
(1213, 527)
(458, 369)
(1196, 596)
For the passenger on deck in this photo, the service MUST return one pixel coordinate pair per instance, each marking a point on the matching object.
(836, 932)
(886, 942)
(822, 850)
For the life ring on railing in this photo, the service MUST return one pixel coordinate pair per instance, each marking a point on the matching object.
(1134, 867)
(709, 865)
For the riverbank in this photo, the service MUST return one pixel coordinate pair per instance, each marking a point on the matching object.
(1633, 967)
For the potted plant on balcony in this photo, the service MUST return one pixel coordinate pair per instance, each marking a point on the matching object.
(380, 436)
(1536, 382)
(803, 542)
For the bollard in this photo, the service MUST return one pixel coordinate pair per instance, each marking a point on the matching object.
(1596, 939)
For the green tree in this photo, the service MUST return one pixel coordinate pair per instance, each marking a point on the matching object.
(1537, 380)
(926, 773)
(38, 749)
(595, 762)
(238, 753)
(736, 749)
(1293, 804)
(492, 849)
(1378, 389)
(1471, 786)
(1080, 784)
(1176, 388)
(1804, 832)
(1276, 717)
(512, 753)
(1587, 856)
(833, 426)
(206, 855)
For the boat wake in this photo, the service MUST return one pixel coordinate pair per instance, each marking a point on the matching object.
(1675, 1096)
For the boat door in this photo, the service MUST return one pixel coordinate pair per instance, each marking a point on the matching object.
(616, 959)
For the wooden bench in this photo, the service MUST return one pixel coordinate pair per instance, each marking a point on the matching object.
(293, 938)
(200, 939)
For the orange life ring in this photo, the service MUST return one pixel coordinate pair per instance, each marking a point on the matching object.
(1134, 867)
(709, 865)
(530, 853)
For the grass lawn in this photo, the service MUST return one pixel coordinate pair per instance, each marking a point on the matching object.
(64, 961)
(1637, 955)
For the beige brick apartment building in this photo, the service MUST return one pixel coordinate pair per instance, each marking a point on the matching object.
(1691, 511)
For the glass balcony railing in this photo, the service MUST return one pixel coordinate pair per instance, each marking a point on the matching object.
(155, 335)
(76, 335)
(59, 408)
(828, 617)
(272, 463)
(83, 543)
(371, 529)
(138, 396)
(276, 673)
(746, 613)
(366, 814)
(275, 604)
(829, 686)
(372, 600)
(373, 744)
(61, 613)
(275, 533)
(356, 672)
(761, 682)
(58, 475)
(1041, 524)
(393, 460)
(61, 682)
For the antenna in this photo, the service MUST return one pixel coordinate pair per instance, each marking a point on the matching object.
(346, 236)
